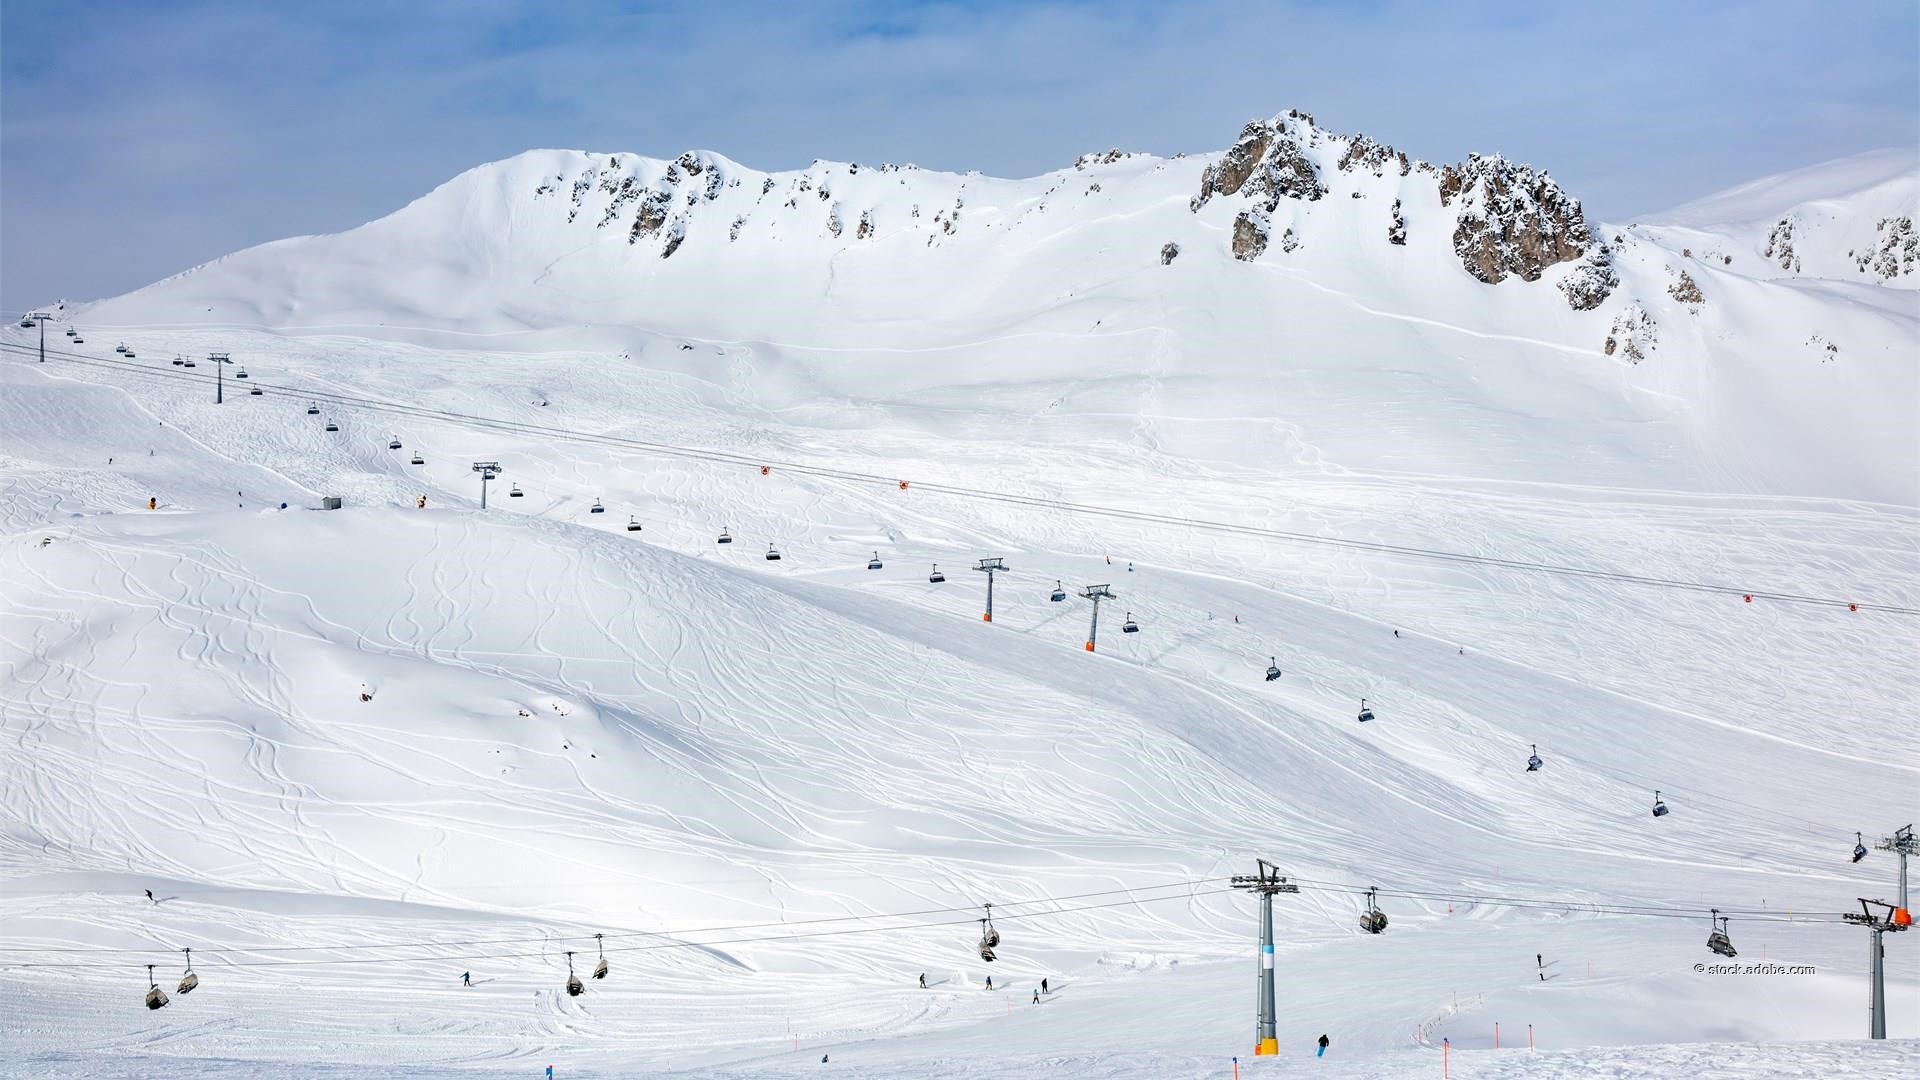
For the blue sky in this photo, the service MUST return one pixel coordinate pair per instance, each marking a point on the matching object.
(137, 139)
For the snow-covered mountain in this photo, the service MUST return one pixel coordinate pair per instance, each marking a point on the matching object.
(356, 754)
(1295, 250)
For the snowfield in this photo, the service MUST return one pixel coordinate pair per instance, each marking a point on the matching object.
(355, 754)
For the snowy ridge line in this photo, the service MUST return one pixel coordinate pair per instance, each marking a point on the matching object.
(1306, 885)
(826, 472)
(550, 939)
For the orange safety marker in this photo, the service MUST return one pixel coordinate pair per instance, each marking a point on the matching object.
(1853, 607)
(903, 485)
(1529, 1038)
(1748, 597)
(1446, 1050)
(1236, 1069)
(1496, 1034)
(1089, 646)
(764, 470)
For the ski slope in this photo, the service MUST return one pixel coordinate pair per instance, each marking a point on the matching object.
(577, 729)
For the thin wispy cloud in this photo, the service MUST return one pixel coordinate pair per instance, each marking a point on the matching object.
(139, 139)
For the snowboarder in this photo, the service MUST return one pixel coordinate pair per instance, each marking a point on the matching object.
(109, 461)
(1129, 568)
(823, 1059)
(1396, 633)
(364, 694)
(466, 978)
(1043, 987)
(1324, 1043)
(923, 980)
(150, 897)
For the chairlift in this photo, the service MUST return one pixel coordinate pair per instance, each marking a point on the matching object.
(514, 492)
(241, 374)
(417, 459)
(189, 980)
(1273, 668)
(256, 392)
(120, 348)
(1859, 848)
(1373, 920)
(723, 538)
(183, 363)
(1718, 940)
(597, 508)
(156, 997)
(600, 969)
(936, 577)
(1129, 627)
(574, 986)
(395, 444)
(71, 331)
(178, 362)
(1659, 808)
(313, 410)
(633, 523)
(874, 563)
(773, 553)
(26, 323)
(1366, 714)
(78, 340)
(331, 426)
(989, 937)
(1533, 760)
(131, 354)
(1059, 593)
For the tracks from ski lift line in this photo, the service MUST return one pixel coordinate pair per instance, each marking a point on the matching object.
(552, 943)
(722, 457)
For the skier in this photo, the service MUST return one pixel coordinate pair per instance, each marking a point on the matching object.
(1396, 633)
(109, 461)
(1043, 987)
(989, 982)
(364, 695)
(1129, 568)
(150, 896)
(1036, 997)
(1324, 1043)
(466, 978)
(923, 980)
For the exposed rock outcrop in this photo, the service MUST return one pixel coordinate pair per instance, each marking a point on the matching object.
(1513, 220)
(1397, 226)
(1592, 280)
(1367, 155)
(1632, 335)
(1780, 246)
(1685, 289)
(1268, 163)
(1249, 234)
(1895, 253)
(1169, 251)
